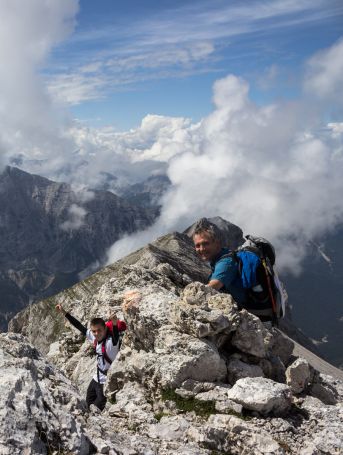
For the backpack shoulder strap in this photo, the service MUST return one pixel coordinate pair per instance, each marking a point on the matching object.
(113, 333)
(103, 351)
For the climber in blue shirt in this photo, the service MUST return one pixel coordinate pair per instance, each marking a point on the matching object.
(225, 276)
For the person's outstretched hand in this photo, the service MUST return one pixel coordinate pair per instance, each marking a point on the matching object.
(113, 318)
(60, 308)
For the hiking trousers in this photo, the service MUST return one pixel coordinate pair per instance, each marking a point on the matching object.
(95, 395)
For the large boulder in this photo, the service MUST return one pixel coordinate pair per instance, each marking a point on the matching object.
(203, 312)
(262, 395)
(177, 357)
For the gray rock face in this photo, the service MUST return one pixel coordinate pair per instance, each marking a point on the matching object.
(262, 395)
(202, 312)
(39, 407)
(238, 370)
(178, 377)
(61, 232)
(322, 389)
(298, 375)
(148, 192)
(250, 335)
(232, 435)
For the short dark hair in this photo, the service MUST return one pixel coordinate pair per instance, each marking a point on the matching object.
(98, 321)
(204, 225)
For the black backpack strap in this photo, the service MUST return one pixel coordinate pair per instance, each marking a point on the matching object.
(115, 335)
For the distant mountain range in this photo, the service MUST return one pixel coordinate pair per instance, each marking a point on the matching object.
(49, 233)
(147, 193)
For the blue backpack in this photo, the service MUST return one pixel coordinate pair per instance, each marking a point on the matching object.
(267, 295)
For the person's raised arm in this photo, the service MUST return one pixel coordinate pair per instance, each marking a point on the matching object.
(216, 284)
(77, 324)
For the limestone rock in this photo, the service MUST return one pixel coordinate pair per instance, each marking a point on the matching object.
(250, 334)
(262, 395)
(38, 405)
(238, 370)
(197, 294)
(131, 401)
(228, 406)
(323, 389)
(193, 341)
(279, 345)
(190, 388)
(298, 375)
(233, 435)
(169, 428)
(326, 435)
(147, 314)
(203, 312)
(181, 356)
(218, 393)
(176, 358)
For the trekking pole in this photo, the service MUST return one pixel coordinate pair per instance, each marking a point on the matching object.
(275, 321)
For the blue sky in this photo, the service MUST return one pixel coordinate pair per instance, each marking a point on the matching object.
(128, 59)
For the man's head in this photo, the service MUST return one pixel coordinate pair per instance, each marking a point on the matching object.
(98, 328)
(207, 239)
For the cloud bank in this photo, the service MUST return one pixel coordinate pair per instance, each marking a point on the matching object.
(275, 170)
(29, 30)
(76, 216)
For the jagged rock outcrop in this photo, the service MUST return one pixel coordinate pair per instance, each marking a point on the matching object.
(39, 407)
(50, 232)
(194, 375)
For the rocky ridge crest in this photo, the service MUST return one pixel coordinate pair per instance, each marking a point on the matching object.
(194, 375)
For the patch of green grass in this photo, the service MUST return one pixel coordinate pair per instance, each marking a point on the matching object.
(158, 416)
(201, 408)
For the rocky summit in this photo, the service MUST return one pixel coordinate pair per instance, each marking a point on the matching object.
(194, 376)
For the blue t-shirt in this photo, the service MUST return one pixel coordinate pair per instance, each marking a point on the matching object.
(225, 270)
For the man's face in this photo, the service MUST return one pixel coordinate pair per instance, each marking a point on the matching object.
(99, 331)
(206, 247)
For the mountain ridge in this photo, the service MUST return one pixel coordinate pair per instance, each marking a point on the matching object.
(195, 376)
(49, 233)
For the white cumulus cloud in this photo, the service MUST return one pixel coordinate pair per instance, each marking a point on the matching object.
(325, 73)
(76, 218)
(275, 171)
(29, 30)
